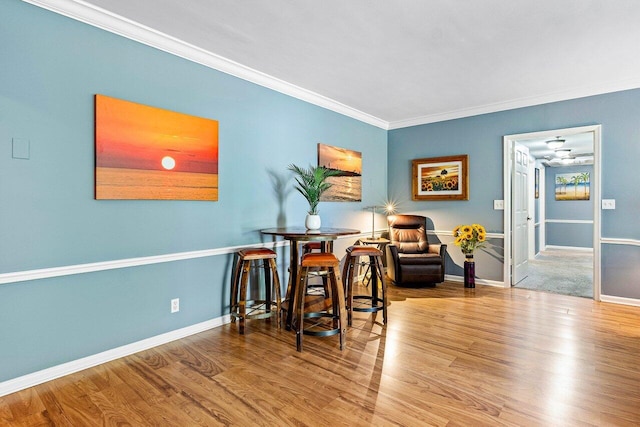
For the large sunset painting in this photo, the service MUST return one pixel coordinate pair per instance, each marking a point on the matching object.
(347, 185)
(145, 152)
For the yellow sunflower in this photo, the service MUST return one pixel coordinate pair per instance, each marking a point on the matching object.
(469, 237)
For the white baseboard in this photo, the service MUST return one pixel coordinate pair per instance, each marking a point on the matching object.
(620, 300)
(460, 279)
(39, 377)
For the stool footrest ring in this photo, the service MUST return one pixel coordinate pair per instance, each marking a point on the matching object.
(377, 304)
(324, 332)
(256, 309)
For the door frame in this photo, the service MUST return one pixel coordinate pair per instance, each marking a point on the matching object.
(595, 186)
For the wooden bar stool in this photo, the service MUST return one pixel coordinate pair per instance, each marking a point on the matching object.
(374, 302)
(305, 248)
(311, 247)
(309, 264)
(241, 308)
(323, 288)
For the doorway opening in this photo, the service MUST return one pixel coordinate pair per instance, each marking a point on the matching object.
(535, 231)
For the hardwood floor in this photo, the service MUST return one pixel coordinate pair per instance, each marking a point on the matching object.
(448, 356)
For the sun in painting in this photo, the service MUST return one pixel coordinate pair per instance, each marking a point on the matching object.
(168, 162)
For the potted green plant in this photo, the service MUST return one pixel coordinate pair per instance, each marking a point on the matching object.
(311, 183)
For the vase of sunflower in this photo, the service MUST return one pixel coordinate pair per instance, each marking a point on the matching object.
(469, 238)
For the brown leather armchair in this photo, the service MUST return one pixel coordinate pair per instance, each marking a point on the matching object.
(410, 257)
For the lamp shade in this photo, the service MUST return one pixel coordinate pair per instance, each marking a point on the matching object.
(563, 153)
(555, 143)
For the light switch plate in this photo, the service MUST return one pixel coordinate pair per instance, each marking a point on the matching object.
(20, 149)
(608, 203)
(498, 205)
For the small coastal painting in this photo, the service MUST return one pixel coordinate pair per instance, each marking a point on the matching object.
(144, 152)
(572, 186)
(347, 185)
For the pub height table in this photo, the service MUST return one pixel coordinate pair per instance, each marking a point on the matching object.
(295, 236)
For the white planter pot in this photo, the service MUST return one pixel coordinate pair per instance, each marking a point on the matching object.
(312, 222)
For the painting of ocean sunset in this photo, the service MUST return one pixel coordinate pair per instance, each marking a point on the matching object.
(144, 152)
(346, 186)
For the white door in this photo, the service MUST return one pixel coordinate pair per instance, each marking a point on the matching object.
(520, 213)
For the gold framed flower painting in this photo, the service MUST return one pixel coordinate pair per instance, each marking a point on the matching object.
(441, 178)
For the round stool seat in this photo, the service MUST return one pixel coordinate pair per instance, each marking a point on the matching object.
(312, 246)
(251, 254)
(322, 259)
(363, 251)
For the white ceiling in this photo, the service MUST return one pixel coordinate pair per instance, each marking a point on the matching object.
(580, 146)
(398, 63)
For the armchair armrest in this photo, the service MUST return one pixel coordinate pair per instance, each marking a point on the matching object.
(439, 249)
(392, 261)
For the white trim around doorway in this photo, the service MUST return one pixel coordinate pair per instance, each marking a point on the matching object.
(508, 144)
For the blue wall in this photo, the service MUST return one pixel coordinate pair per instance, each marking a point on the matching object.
(52, 68)
(481, 137)
(566, 233)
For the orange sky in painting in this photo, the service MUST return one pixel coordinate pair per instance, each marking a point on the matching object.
(431, 172)
(340, 158)
(136, 136)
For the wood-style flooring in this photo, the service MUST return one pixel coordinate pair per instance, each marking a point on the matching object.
(448, 356)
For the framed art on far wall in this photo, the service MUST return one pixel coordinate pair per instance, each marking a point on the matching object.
(573, 186)
(441, 178)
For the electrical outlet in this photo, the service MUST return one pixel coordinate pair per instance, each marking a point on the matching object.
(175, 305)
(608, 203)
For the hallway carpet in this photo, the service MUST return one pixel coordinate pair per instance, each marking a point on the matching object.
(561, 271)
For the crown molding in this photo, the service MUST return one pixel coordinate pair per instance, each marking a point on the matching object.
(116, 24)
(573, 93)
(103, 19)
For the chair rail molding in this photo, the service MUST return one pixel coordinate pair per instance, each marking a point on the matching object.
(67, 270)
(616, 241)
(569, 221)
